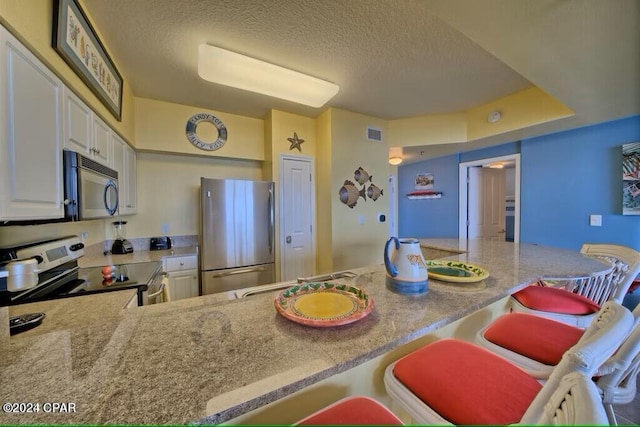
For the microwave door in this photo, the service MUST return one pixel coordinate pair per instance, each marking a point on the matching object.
(98, 195)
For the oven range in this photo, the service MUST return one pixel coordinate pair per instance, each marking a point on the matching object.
(60, 277)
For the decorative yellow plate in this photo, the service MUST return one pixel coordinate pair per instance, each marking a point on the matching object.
(456, 271)
(323, 304)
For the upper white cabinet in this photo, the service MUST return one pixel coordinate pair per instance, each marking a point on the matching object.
(101, 149)
(31, 182)
(124, 161)
(84, 132)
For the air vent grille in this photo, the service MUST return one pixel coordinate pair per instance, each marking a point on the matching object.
(87, 163)
(374, 134)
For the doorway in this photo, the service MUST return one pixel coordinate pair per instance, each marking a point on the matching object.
(474, 214)
(297, 217)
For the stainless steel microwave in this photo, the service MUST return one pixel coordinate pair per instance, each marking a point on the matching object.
(90, 188)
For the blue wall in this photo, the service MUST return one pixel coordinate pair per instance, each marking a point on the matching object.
(565, 177)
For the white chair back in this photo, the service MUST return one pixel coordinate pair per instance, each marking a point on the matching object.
(613, 286)
(575, 402)
(618, 376)
(600, 340)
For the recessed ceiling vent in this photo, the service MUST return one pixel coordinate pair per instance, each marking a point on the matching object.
(374, 134)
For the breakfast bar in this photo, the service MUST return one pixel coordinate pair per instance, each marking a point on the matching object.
(208, 360)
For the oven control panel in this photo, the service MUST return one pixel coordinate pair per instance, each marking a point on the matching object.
(52, 253)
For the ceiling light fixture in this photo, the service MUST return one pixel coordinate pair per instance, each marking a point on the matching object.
(395, 161)
(494, 116)
(232, 69)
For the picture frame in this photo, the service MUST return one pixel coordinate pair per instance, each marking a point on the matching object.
(631, 178)
(76, 42)
(424, 181)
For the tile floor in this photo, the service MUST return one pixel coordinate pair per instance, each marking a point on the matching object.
(629, 414)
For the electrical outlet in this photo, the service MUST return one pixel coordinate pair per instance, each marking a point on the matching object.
(595, 220)
(165, 228)
(360, 219)
(84, 235)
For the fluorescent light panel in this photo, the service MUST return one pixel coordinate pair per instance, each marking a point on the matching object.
(232, 69)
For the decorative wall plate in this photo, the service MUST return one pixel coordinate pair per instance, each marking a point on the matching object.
(323, 304)
(456, 271)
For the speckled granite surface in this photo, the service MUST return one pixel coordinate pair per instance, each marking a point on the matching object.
(168, 363)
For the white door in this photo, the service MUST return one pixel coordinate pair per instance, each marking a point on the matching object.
(297, 217)
(487, 203)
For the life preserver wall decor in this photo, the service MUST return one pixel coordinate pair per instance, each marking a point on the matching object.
(192, 136)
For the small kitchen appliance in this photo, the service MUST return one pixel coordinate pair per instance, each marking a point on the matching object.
(120, 245)
(160, 243)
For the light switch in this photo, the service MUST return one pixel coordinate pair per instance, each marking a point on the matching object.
(360, 219)
(595, 220)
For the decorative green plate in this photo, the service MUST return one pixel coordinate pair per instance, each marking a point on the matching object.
(456, 271)
(323, 304)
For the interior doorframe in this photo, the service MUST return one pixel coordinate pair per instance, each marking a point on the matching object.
(281, 233)
(463, 213)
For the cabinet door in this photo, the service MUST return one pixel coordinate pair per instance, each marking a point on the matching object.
(183, 284)
(131, 159)
(77, 123)
(119, 164)
(30, 135)
(101, 150)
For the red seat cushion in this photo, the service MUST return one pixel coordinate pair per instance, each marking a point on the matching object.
(535, 337)
(467, 384)
(357, 410)
(555, 300)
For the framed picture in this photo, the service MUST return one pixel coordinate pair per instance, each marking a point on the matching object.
(76, 42)
(631, 179)
(424, 181)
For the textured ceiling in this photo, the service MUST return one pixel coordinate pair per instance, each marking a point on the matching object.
(391, 58)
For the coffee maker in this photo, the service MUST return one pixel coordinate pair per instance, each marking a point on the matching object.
(120, 245)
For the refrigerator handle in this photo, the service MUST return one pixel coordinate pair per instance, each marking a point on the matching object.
(243, 271)
(271, 221)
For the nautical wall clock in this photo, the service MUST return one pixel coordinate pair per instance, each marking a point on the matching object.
(192, 136)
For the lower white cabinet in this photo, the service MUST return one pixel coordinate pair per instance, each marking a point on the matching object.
(182, 272)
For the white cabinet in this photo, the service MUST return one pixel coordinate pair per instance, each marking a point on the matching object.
(101, 148)
(182, 273)
(85, 132)
(124, 161)
(31, 182)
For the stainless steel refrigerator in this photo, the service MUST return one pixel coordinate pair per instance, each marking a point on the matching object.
(236, 234)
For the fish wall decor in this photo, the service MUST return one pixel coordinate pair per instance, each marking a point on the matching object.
(374, 192)
(349, 194)
(362, 176)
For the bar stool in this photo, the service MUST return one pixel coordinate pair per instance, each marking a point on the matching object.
(534, 343)
(452, 381)
(353, 410)
(576, 301)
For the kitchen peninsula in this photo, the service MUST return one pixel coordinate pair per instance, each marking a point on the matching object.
(210, 361)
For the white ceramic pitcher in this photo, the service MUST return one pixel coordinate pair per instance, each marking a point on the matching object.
(406, 267)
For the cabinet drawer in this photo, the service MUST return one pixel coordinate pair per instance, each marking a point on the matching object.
(180, 263)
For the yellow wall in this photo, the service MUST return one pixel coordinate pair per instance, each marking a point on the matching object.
(428, 130)
(282, 126)
(161, 126)
(169, 188)
(324, 192)
(520, 110)
(354, 244)
(31, 21)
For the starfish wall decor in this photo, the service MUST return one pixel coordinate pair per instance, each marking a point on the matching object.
(295, 142)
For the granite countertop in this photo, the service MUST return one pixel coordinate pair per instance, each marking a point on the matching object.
(206, 360)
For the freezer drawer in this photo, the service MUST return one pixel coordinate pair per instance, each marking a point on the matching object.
(229, 279)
